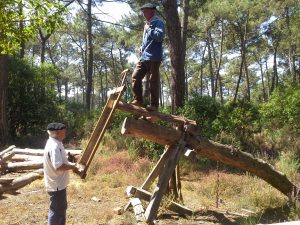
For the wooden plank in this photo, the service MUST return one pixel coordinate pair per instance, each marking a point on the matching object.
(155, 115)
(138, 210)
(99, 131)
(156, 170)
(146, 196)
(116, 90)
(161, 188)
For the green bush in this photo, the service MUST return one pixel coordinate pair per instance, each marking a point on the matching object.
(283, 109)
(31, 97)
(204, 110)
(237, 122)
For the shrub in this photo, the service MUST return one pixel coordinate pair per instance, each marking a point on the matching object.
(31, 97)
(204, 110)
(237, 122)
(283, 109)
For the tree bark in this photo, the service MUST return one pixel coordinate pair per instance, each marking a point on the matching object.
(90, 56)
(211, 70)
(173, 27)
(3, 98)
(209, 149)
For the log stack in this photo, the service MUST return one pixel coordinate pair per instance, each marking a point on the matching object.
(20, 161)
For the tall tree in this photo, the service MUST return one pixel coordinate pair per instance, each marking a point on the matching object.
(11, 36)
(174, 31)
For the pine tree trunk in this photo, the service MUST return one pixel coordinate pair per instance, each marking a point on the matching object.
(90, 56)
(3, 97)
(173, 28)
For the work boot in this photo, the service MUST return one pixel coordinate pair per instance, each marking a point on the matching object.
(152, 108)
(136, 103)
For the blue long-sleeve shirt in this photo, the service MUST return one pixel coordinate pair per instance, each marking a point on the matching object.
(151, 48)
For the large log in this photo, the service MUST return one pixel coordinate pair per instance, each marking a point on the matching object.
(24, 158)
(212, 150)
(40, 152)
(21, 181)
(5, 151)
(7, 156)
(17, 166)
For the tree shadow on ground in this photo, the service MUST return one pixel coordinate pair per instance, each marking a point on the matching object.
(270, 215)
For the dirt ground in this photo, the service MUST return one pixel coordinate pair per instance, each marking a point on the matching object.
(94, 206)
(93, 201)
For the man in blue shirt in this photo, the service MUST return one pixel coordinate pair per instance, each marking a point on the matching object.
(150, 58)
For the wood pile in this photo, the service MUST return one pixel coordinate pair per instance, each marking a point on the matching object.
(26, 164)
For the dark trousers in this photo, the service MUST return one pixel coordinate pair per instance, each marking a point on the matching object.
(58, 207)
(141, 69)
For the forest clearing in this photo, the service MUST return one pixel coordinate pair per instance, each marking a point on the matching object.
(242, 198)
(177, 112)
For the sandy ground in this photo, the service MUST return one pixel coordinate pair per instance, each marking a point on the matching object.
(94, 204)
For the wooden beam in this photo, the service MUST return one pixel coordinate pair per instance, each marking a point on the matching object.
(98, 132)
(164, 178)
(212, 150)
(157, 169)
(138, 210)
(155, 115)
(146, 196)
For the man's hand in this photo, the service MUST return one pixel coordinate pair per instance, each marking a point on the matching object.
(77, 168)
(146, 26)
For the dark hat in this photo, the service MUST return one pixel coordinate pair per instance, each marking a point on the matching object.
(148, 6)
(56, 126)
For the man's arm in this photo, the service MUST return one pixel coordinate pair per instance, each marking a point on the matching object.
(70, 166)
(157, 33)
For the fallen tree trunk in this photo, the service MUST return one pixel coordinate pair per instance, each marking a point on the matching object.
(17, 166)
(21, 181)
(40, 152)
(209, 149)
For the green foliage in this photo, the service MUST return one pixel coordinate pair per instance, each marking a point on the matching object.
(239, 121)
(31, 97)
(283, 109)
(204, 111)
(34, 14)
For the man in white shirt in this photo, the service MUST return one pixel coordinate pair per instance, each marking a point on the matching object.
(56, 173)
